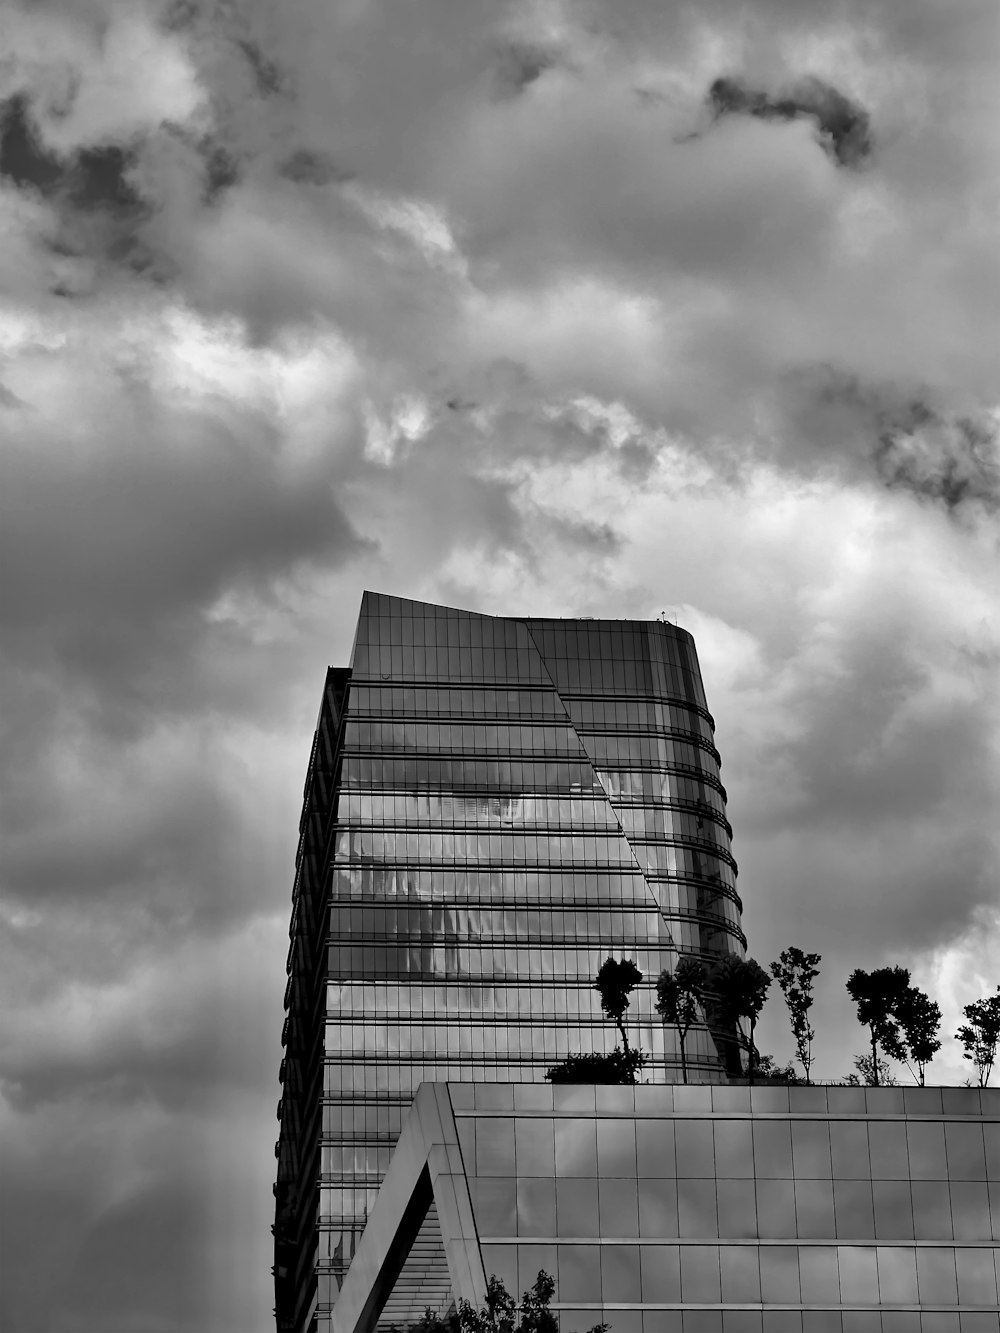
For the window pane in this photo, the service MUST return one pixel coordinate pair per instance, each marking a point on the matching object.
(532, 1260)
(744, 1321)
(661, 1273)
(695, 1151)
(772, 1149)
(852, 1201)
(658, 1208)
(977, 1282)
(576, 1208)
(775, 1209)
(820, 1274)
(740, 1267)
(620, 1272)
(738, 1209)
(733, 1149)
(579, 1277)
(936, 1281)
(887, 1139)
(576, 1147)
(814, 1209)
(925, 1140)
(700, 1282)
(849, 1145)
(494, 1147)
(897, 1275)
(696, 1213)
(811, 1149)
(493, 1204)
(931, 1210)
(501, 1260)
(858, 1274)
(619, 1207)
(779, 1274)
(616, 1147)
(970, 1210)
(536, 1207)
(893, 1209)
(534, 1147)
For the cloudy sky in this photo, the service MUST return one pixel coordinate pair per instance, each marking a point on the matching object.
(608, 307)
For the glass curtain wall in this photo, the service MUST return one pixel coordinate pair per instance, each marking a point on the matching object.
(516, 800)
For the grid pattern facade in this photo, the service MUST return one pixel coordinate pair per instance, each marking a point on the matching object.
(493, 807)
(736, 1210)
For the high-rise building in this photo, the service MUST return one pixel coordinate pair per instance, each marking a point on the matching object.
(493, 806)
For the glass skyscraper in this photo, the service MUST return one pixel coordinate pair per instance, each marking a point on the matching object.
(493, 806)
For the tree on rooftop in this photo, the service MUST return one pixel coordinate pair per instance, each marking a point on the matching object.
(980, 1035)
(679, 997)
(614, 984)
(795, 973)
(739, 987)
(919, 1019)
(878, 995)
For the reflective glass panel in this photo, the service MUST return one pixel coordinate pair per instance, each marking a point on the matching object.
(897, 1275)
(534, 1147)
(858, 1274)
(772, 1149)
(928, 1159)
(775, 1209)
(733, 1149)
(661, 1272)
(579, 1277)
(931, 1210)
(849, 1146)
(658, 1208)
(619, 1207)
(536, 1207)
(738, 1209)
(575, 1146)
(616, 1147)
(893, 1209)
(936, 1281)
(696, 1208)
(970, 1210)
(888, 1150)
(740, 1268)
(494, 1205)
(811, 1149)
(494, 1147)
(576, 1208)
(852, 1201)
(977, 1280)
(700, 1273)
(532, 1260)
(695, 1148)
(655, 1148)
(779, 1274)
(819, 1273)
(814, 1209)
(620, 1272)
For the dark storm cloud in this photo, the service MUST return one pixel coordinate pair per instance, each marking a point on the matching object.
(953, 462)
(844, 127)
(517, 65)
(90, 178)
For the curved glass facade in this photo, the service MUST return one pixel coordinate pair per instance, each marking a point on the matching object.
(493, 807)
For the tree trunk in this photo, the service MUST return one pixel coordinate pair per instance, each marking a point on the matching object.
(874, 1060)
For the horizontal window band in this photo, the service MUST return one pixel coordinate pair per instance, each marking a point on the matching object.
(785, 1243)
